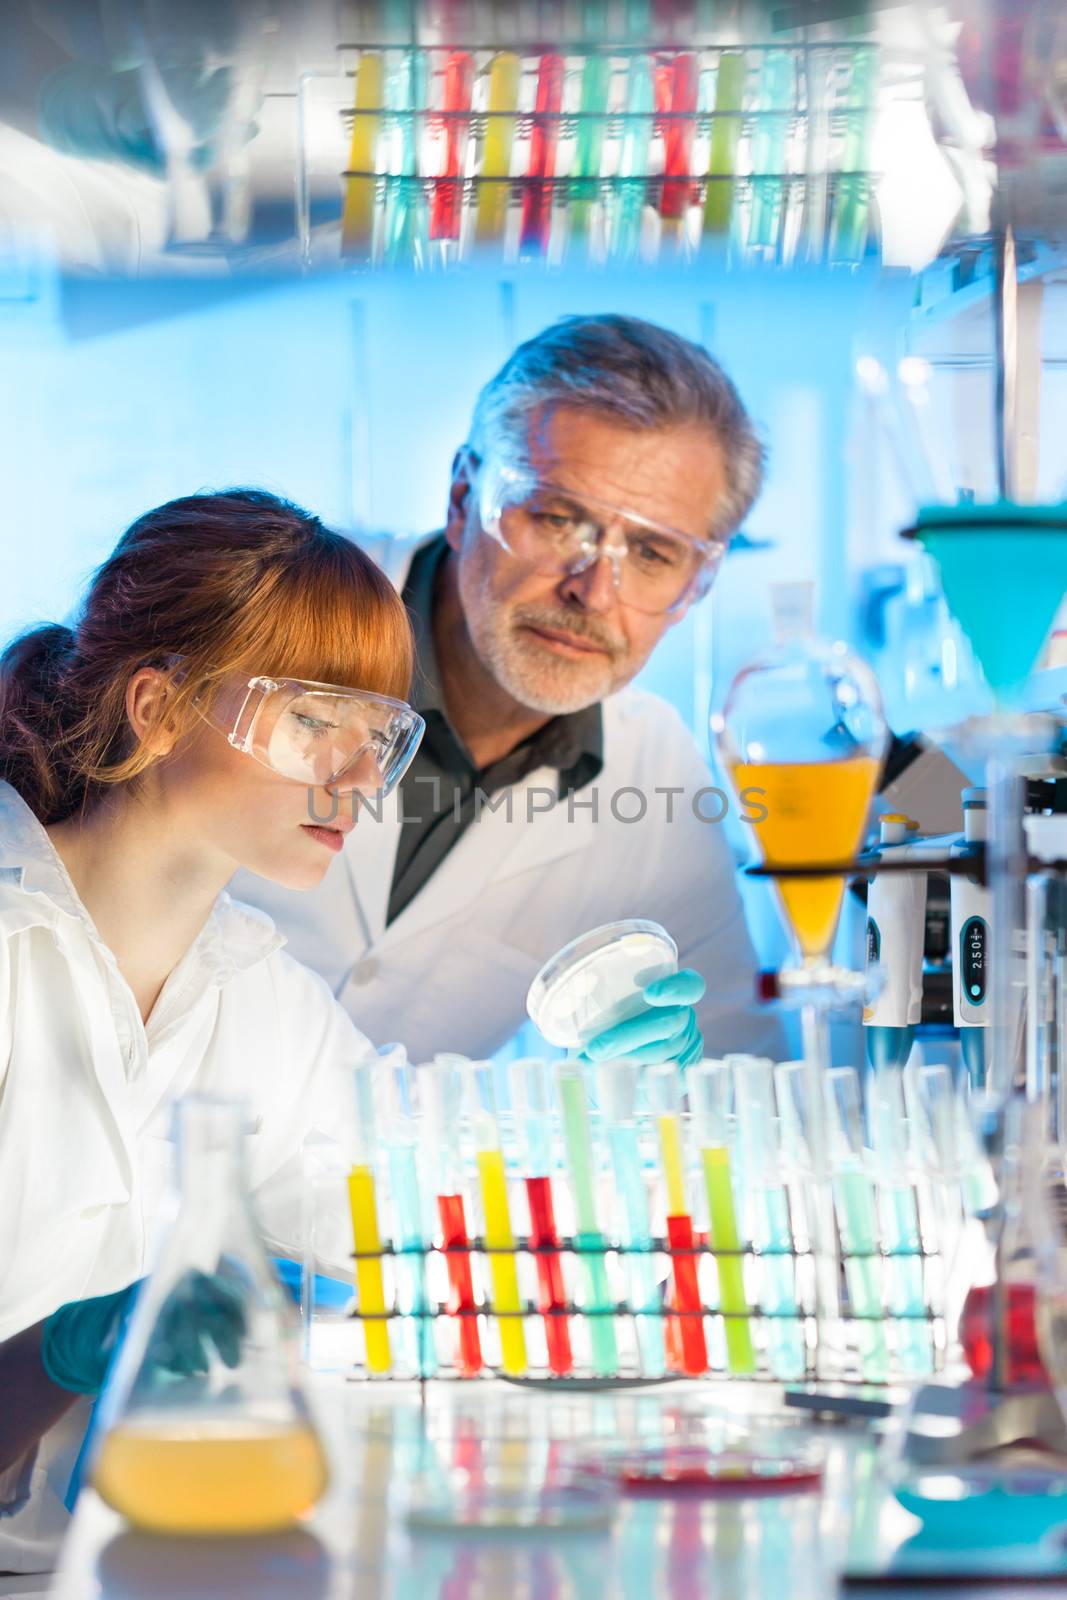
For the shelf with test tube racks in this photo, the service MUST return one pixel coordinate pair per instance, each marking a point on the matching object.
(510, 1281)
(428, 156)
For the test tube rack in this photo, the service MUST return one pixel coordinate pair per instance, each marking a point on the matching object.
(786, 1340)
(427, 155)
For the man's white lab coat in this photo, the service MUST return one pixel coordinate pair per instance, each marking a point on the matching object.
(531, 873)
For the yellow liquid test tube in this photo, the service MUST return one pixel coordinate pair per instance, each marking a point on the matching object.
(504, 74)
(370, 1284)
(724, 1236)
(503, 1270)
(670, 1145)
(357, 216)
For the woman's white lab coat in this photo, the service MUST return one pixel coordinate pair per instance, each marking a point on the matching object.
(85, 1095)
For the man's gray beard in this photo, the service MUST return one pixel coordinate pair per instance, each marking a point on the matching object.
(504, 659)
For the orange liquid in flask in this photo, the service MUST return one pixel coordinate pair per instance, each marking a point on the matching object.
(201, 1477)
(816, 811)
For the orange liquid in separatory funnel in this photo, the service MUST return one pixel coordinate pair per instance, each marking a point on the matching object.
(816, 811)
(204, 1478)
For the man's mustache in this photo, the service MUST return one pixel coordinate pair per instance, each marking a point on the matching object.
(587, 629)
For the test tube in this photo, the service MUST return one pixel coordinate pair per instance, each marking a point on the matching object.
(409, 1237)
(629, 205)
(592, 106)
(505, 71)
(708, 1086)
(498, 1234)
(441, 1087)
(530, 1097)
(852, 207)
(536, 221)
(665, 1097)
(446, 204)
(405, 97)
(900, 1221)
(681, 104)
(768, 1204)
(725, 134)
(617, 1092)
(588, 1237)
(370, 1282)
(774, 106)
(857, 1218)
(357, 214)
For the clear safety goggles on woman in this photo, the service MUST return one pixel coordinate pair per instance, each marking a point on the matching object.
(320, 734)
(559, 531)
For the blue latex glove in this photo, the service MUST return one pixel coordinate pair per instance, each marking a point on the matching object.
(666, 1030)
(80, 1338)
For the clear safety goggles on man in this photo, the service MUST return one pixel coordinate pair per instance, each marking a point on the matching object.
(319, 734)
(558, 531)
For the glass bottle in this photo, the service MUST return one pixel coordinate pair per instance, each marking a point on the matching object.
(203, 1428)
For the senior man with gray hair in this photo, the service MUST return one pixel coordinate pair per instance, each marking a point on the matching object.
(607, 464)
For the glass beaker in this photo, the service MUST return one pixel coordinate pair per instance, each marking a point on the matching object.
(203, 1428)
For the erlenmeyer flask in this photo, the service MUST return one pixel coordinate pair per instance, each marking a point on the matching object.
(202, 1427)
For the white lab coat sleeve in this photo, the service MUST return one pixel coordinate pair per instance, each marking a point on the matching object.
(696, 887)
(305, 1096)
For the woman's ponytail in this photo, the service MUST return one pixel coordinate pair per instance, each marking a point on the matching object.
(38, 709)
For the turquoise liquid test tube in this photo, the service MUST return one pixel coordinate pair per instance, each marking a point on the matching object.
(857, 1219)
(410, 1236)
(774, 106)
(629, 206)
(406, 234)
(852, 205)
(769, 1220)
(617, 1083)
(905, 1297)
(589, 1240)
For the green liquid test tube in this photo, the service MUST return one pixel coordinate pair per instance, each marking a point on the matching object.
(708, 1087)
(725, 134)
(724, 1236)
(589, 1240)
(593, 104)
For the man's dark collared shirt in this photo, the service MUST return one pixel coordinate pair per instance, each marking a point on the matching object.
(438, 792)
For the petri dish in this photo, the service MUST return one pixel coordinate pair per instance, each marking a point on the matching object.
(510, 1500)
(695, 1469)
(595, 982)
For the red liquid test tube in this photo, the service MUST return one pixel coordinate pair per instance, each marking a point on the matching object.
(687, 1294)
(679, 127)
(544, 142)
(460, 1280)
(446, 204)
(551, 1293)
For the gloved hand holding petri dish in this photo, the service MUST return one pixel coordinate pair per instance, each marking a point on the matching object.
(617, 991)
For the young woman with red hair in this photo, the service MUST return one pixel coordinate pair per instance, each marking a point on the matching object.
(235, 667)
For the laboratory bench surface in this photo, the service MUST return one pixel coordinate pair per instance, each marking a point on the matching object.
(358, 1542)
